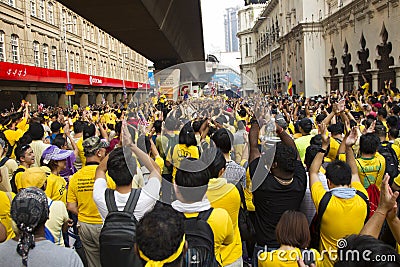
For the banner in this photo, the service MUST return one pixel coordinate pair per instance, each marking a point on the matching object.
(168, 83)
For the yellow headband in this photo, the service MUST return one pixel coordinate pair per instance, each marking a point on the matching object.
(172, 258)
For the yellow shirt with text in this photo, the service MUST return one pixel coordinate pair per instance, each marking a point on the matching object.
(5, 215)
(371, 170)
(56, 188)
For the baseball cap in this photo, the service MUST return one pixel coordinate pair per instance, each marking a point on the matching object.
(306, 124)
(54, 153)
(93, 144)
(280, 120)
(34, 177)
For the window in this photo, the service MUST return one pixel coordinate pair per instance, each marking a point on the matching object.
(92, 34)
(33, 8)
(50, 15)
(42, 15)
(54, 57)
(36, 56)
(87, 65)
(94, 67)
(250, 46)
(45, 56)
(74, 24)
(87, 32)
(90, 66)
(14, 48)
(69, 28)
(78, 67)
(71, 62)
(2, 53)
(63, 19)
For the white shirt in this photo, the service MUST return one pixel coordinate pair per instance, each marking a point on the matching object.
(148, 197)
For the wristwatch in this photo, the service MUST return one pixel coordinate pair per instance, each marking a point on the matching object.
(321, 150)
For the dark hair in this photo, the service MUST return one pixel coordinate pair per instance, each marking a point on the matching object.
(170, 123)
(187, 136)
(36, 131)
(78, 126)
(380, 130)
(241, 124)
(361, 243)
(382, 112)
(192, 184)
(158, 126)
(52, 165)
(214, 159)
(118, 127)
(59, 141)
(306, 125)
(55, 126)
(170, 230)
(392, 122)
(196, 126)
(369, 143)
(20, 151)
(285, 157)
(311, 152)
(118, 168)
(339, 173)
(143, 143)
(223, 140)
(89, 130)
(242, 112)
(292, 230)
(394, 132)
(320, 118)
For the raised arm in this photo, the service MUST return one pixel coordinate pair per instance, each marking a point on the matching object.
(253, 140)
(317, 162)
(350, 159)
(286, 139)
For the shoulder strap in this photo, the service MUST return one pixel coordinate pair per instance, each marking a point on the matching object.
(132, 200)
(204, 215)
(51, 202)
(110, 200)
(9, 196)
(3, 161)
(362, 169)
(365, 198)
(242, 197)
(323, 204)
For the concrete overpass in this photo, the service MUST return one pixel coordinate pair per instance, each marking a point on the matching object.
(166, 32)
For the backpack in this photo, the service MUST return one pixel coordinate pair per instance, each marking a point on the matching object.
(4, 176)
(315, 226)
(246, 227)
(172, 142)
(373, 193)
(117, 237)
(12, 181)
(392, 163)
(200, 238)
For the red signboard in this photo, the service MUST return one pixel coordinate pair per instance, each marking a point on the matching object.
(20, 72)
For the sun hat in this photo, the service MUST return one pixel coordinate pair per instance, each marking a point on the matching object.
(54, 153)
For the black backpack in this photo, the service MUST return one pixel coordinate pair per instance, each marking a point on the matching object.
(200, 238)
(173, 140)
(392, 163)
(118, 235)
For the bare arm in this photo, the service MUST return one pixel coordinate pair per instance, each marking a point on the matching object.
(317, 162)
(350, 159)
(253, 141)
(72, 207)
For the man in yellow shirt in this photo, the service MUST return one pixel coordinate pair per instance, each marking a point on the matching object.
(80, 200)
(305, 127)
(222, 194)
(190, 185)
(5, 216)
(347, 202)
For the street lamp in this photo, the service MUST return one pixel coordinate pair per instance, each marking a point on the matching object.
(66, 58)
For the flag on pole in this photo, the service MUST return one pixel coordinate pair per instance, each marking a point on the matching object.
(288, 78)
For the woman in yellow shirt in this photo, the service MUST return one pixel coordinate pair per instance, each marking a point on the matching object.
(293, 234)
(56, 160)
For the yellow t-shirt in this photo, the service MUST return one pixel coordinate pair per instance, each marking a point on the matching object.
(81, 152)
(302, 143)
(371, 170)
(80, 191)
(5, 215)
(226, 196)
(58, 215)
(286, 258)
(18, 177)
(56, 188)
(160, 162)
(366, 89)
(180, 152)
(333, 149)
(221, 225)
(342, 217)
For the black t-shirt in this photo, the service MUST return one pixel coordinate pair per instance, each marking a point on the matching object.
(271, 199)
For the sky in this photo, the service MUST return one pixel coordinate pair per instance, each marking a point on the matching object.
(213, 23)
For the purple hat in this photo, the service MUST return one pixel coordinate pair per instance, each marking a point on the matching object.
(54, 153)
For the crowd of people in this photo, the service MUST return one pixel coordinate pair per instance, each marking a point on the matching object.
(276, 180)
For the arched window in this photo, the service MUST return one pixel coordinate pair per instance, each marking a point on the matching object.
(54, 57)
(33, 8)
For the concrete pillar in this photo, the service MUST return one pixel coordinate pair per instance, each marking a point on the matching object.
(397, 70)
(129, 97)
(341, 85)
(32, 98)
(110, 98)
(84, 100)
(119, 98)
(374, 78)
(62, 100)
(99, 99)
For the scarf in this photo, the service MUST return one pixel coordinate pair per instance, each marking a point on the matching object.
(343, 192)
(192, 207)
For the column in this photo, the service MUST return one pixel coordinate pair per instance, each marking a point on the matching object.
(119, 98)
(397, 70)
(374, 77)
(84, 100)
(99, 99)
(129, 97)
(110, 98)
(32, 98)
(341, 85)
(62, 100)
(355, 79)
(328, 84)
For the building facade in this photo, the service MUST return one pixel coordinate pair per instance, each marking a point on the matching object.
(327, 45)
(231, 29)
(35, 60)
